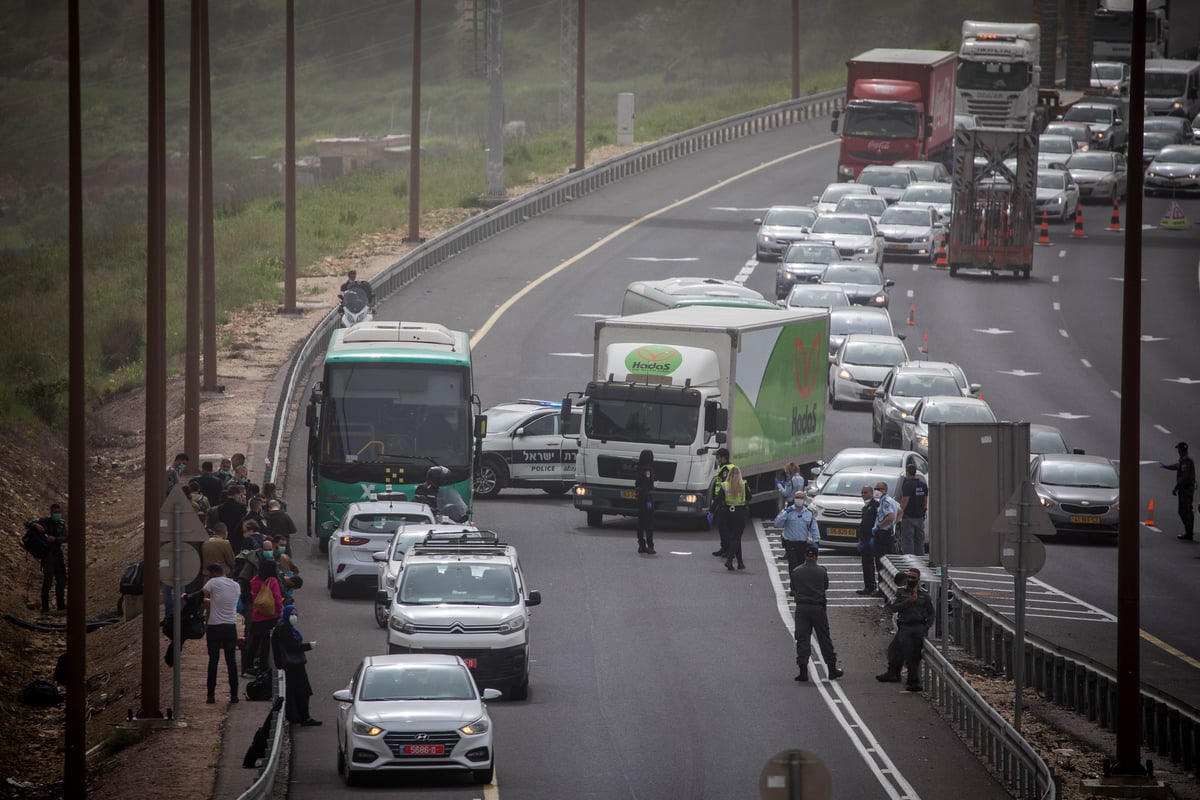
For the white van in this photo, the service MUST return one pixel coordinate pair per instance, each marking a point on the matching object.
(1173, 87)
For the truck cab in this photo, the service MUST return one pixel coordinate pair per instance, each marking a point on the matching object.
(999, 74)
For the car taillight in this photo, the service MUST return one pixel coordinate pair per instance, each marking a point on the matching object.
(352, 541)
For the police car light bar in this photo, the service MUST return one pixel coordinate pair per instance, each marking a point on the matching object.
(546, 403)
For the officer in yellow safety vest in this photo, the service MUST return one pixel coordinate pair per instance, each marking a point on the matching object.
(734, 497)
(715, 508)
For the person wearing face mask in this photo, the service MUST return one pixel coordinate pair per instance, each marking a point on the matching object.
(885, 522)
(799, 529)
(866, 542)
(914, 617)
(265, 611)
(717, 510)
(54, 563)
(288, 649)
(175, 470)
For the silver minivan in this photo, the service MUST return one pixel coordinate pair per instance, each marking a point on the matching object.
(1173, 87)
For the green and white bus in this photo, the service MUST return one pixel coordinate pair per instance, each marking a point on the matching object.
(395, 398)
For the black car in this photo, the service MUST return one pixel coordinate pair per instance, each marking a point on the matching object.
(803, 263)
(862, 283)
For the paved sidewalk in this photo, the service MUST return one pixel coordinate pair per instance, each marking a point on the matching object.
(241, 723)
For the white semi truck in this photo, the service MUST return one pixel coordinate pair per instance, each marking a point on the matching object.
(1172, 29)
(999, 74)
(687, 381)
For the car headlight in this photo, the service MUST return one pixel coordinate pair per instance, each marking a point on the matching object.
(922, 240)
(868, 249)
(389, 581)
(879, 299)
(475, 728)
(401, 624)
(893, 412)
(922, 441)
(1194, 174)
(1058, 201)
(513, 624)
(1099, 134)
(764, 238)
(845, 171)
(1151, 173)
(1046, 501)
(845, 375)
(1176, 105)
(364, 728)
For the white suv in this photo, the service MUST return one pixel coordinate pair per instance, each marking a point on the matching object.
(365, 529)
(528, 446)
(391, 561)
(466, 596)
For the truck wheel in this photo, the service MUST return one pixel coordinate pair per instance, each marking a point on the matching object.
(953, 270)
(1025, 273)
(490, 477)
(520, 691)
(594, 519)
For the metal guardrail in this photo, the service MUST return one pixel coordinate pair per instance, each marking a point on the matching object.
(1016, 763)
(1170, 727)
(264, 785)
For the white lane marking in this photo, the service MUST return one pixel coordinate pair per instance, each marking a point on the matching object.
(916, 267)
(1085, 362)
(1020, 373)
(841, 708)
(1120, 279)
(992, 331)
(599, 316)
(657, 258)
(1185, 381)
(909, 293)
(1066, 415)
(1115, 393)
(1162, 430)
(745, 272)
(1057, 306)
(1148, 338)
(734, 208)
(1054, 278)
(573, 355)
(1063, 333)
(504, 307)
(1061, 254)
(679, 552)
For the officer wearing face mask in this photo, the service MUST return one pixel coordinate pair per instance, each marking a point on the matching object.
(54, 563)
(886, 518)
(799, 529)
(175, 470)
(914, 617)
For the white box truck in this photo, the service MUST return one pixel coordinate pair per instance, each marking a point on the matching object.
(683, 383)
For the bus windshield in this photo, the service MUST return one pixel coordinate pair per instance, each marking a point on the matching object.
(392, 412)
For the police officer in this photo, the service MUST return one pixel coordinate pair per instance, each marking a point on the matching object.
(734, 497)
(644, 486)
(714, 509)
(799, 529)
(810, 582)
(866, 541)
(914, 502)
(885, 522)
(914, 617)
(1185, 488)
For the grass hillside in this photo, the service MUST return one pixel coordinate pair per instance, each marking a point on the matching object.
(687, 61)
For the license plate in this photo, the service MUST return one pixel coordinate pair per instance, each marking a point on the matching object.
(1085, 520)
(868, 394)
(843, 532)
(1085, 190)
(629, 494)
(423, 750)
(471, 663)
(1170, 183)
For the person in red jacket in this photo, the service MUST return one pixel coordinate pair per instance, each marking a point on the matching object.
(262, 617)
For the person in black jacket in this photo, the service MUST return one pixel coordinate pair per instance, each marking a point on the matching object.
(866, 542)
(914, 617)
(54, 564)
(1185, 488)
(288, 648)
(644, 485)
(810, 582)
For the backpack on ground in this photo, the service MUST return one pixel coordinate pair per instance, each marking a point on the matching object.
(260, 687)
(34, 541)
(41, 694)
(131, 579)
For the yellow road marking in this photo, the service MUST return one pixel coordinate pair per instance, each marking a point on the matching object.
(1182, 656)
(529, 287)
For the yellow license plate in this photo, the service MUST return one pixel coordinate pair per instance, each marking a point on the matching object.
(1085, 520)
(843, 532)
(629, 494)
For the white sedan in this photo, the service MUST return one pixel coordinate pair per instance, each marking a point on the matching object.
(910, 232)
(854, 235)
(414, 713)
(861, 364)
(365, 529)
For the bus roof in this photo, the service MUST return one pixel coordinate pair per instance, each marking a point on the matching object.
(391, 341)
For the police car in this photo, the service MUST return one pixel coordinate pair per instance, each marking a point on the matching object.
(527, 446)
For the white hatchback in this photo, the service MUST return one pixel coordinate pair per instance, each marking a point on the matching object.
(391, 561)
(365, 529)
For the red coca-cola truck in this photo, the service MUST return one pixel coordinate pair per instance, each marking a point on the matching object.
(899, 106)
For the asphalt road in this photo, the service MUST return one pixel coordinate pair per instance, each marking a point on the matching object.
(670, 677)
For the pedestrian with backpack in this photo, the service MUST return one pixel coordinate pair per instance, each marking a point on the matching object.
(264, 615)
(53, 531)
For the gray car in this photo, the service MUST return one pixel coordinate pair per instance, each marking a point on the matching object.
(865, 457)
(1098, 174)
(1079, 492)
(938, 196)
(1176, 168)
(889, 182)
(861, 364)
(779, 227)
(926, 171)
(940, 408)
(1048, 439)
(910, 232)
(863, 283)
(899, 392)
(854, 235)
(803, 263)
(858, 319)
(814, 295)
(1106, 122)
(838, 507)
(1057, 195)
(827, 202)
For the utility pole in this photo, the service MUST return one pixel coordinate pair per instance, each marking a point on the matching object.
(795, 49)
(495, 137)
(289, 166)
(191, 334)
(568, 35)
(206, 213)
(414, 137)
(156, 344)
(580, 26)
(75, 729)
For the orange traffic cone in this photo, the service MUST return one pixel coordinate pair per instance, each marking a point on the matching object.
(912, 314)
(925, 345)
(1149, 523)
(1115, 224)
(942, 260)
(1044, 237)
(1078, 232)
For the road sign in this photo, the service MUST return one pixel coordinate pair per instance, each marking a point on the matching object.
(1010, 552)
(794, 774)
(178, 516)
(1174, 217)
(1007, 526)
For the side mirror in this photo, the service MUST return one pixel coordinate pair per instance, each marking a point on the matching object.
(901, 336)
(519, 432)
(889, 282)
(1059, 117)
(565, 413)
(480, 426)
(330, 526)
(343, 696)
(781, 303)
(720, 437)
(974, 388)
(1078, 451)
(379, 555)
(492, 694)
(758, 220)
(534, 598)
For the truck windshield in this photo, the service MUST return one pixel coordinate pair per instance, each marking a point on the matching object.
(994, 76)
(881, 123)
(1165, 84)
(618, 420)
(1118, 28)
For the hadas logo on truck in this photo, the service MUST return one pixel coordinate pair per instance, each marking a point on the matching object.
(803, 358)
(653, 359)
